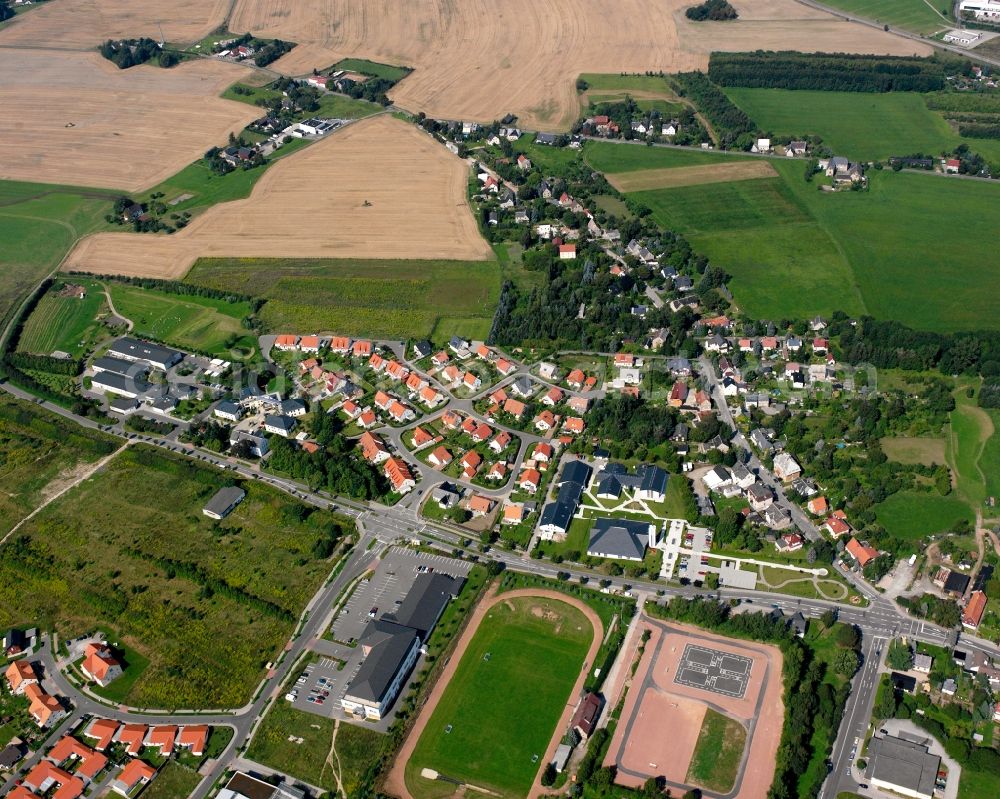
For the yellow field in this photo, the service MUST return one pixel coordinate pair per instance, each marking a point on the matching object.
(479, 59)
(671, 178)
(313, 205)
(76, 118)
(84, 24)
(903, 449)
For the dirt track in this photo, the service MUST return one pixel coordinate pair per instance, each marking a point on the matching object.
(76, 118)
(312, 205)
(395, 783)
(672, 178)
(479, 59)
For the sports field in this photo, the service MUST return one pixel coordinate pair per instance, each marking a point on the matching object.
(918, 16)
(202, 324)
(857, 125)
(717, 754)
(208, 603)
(81, 118)
(384, 299)
(480, 60)
(62, 322)
(38, 225)
(379, 188)
(493, 724)
(795, 251)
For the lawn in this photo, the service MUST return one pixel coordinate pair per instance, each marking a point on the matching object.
(373, 68)
(611, 157)
(384, 299)
(202, 324)
(64, 322)
(989, 460)
(173, 781)
(913, 515)
(906, 449)
(794, 251)
(39, 224)
(717, 754)
(208, 603)
(918, 16)
(201, 188)
(970, 428)
(858, 125)
(38, 452)
(495, 720)
(356, 746)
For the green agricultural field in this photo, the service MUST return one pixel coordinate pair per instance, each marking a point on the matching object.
(65, 323)
(385, 299)
(39, 224)
(913, 515)
(208, 603)
(356, 747)
(39, 452)
(717, 754)
(501, 707)
(917, 16)
(373, 68)
(612, 157)
(858, 125)
(796, 251)
(203, 324)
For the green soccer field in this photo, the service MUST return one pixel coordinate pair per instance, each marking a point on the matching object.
(502, 705)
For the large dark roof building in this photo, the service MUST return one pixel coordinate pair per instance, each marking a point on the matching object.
(623, 539)
(903, 766)
(556, 516)
(425, 602)
(132, 349)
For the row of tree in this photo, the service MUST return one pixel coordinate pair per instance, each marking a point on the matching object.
(834, 71)
(729, 121)
(125, 53)
(717, 10)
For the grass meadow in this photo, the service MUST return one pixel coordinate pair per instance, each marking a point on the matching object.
(859, 125)
(37, 448)
(208, 603)
(173, 781)
(717, 754)
(501, 707)
(356, 747)
(917, 16)
(39, 224)
(366, 67)
(64, 323)
(912, 515)
(203, 324)
(794, 251)
(385, 299)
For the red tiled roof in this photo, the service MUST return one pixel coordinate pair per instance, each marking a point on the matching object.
(194, 736)
(973, 613)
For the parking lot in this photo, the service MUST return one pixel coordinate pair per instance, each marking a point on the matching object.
(327, 679)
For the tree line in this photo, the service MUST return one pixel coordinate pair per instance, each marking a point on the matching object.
(729, 121)
(834, 71)
(125, 53)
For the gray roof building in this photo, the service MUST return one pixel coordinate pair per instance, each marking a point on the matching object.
(222, 504)
(132, 349)
(425, 602)
(387, 646)
(903, 766)
(106, 364)
(623, 539)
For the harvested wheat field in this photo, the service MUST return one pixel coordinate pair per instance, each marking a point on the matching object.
(313, 205)
(479, 59)
(84, 24)
(76, 118)
(672, 178)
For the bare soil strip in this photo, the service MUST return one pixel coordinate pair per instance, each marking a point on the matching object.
(672, 178)
(379, 188)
